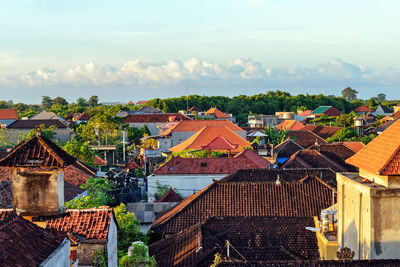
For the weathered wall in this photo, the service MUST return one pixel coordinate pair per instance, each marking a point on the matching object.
(87, 249)
(15, 135)
(112, 255)
(185, 184)
(60, 257)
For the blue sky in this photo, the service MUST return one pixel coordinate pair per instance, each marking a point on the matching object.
(123, 50)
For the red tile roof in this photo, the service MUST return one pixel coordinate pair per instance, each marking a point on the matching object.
(322, 131)
(355, 146)
(381, 155)
(223, 165)
(82, 117)
(289, 125)
(287, 148)
(37, 151)
(99, 161)
(23, 243)
(153, 117)
(197, 125)
(89, 223)
(304, 198)
(255, 238)
(338, 152)
(219, 143)
(208, 134)
(142, 102)
(305, 138)
(217, 113)
(170, 196)
(8, 114)
(131, 165)
(363, 109)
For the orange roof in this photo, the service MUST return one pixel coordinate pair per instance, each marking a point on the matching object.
(208, 134)
(363, 109)
(381, 155)
(355, 146)
(99, 161)
(218, 113)
(8, 114)
(291, 125)
(219, 143)
(197, 125)
(306, 113)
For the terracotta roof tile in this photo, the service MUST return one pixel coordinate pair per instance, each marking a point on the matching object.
(206, 135)
(305, 113)
(381, 155)
(170, 196)
(197, 125)
(222, 165)
(153, 117)
(217, 113)
(289, 125)
(363, 109)
(8, 114)
(99, 161)
(255, 238)
(304, 198)
(322, 131)
(355, 146)
(89, 223)
(32, 124)
(23, 243)
(305, 138)
(287, 148)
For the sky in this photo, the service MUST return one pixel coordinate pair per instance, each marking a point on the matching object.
(137, 50)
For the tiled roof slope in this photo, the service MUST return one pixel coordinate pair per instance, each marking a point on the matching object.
(304, 198)
(322, 131)
(207, 134)
(8, 114)
(23, 243)
(219, 143)
(305, 113)
(381, 155)
(363, 109)
(32, 124)
(170, 196)
(223, 165)
(338, 152)
(217, 113)
(327, 110)
(355, 146)
(289, 125)
(287, 148)
(310, 158)
(314, 263)
(37, 151)
(153, 117)
(197, 125)
(89, 223)
(305, 138)
(255, 238)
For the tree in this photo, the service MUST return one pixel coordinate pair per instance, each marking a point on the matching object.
(345, 134)
(275, 136)
(81, 102)
(60, 101)
(139, 257)
(80, 150)
(47, 102)
(45, 132)
(349, 94)
(381, 97)
(93, 101)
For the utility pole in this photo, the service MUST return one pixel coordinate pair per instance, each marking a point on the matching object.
(123, 145)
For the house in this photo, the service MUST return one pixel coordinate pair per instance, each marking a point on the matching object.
(383, 111)
(325, 110)
(251, 193)
(290, 125)
(142, 102)
(363, 110)
(170, 196)
(369, 200)
(20, 128)
(152, 121)
(46, 115)
(189, 175)
(23, 243)
(285, 150)
(38, 194)
(339, 152)
(187, 128)
(322, 131)
(304, 113)
(285, 115)
(218, 114)
(213, 138)
(311, 158)
(249, 239)
(8, 116)
(83, 117)
(255, 121)
(305, 138)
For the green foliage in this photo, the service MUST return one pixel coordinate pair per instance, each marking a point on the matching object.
(275, 136)
(4, 135)
(217, 260)
(345, 120)
(139, 173)
(45, 132)
(98, 189)
(349, 94)
(98, 258)
(194, 154)
(367, 138)
(93, 101)
(324, 120)
(149, 143)
(47, 102)
(345, 134)
(140, 255)
(80, 150)
(135, 133)
(129, 230)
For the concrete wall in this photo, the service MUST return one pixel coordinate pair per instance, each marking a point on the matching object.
(185, 184)
(146, 212)
(112, 255)
(368, 218)
(60, 257)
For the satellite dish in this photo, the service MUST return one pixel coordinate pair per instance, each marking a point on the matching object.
(312, 229)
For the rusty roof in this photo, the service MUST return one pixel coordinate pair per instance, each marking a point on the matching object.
(381, 155)
(221, 165)
(23, 243)
(303, 198)
(197, 125)
(37, 152)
